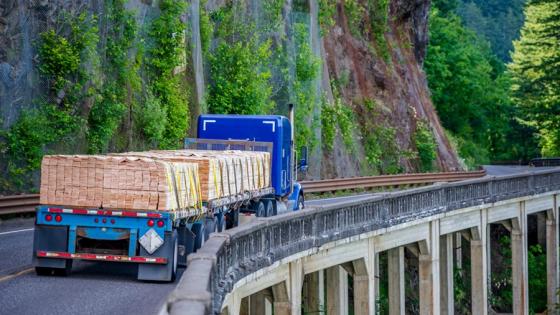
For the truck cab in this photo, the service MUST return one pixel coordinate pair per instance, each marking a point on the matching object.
(273, 129)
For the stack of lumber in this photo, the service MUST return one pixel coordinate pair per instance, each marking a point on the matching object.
(119, 182)
(222, 173)
(152, 180)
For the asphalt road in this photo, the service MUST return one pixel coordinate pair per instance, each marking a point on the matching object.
(495, 170)
(92, 288)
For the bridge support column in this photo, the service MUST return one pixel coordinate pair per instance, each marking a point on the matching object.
(260, 303)
(337, 291)
(428, 272)
(458, 250)
(479, 265)
(296, 285)
(447, 302)
(396, 280)
(361, 290)
(281, 304)
(519, 268)
(314, 291)
(551, 260)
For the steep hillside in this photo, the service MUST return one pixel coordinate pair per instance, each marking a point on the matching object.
(381, 56)
(115, 75)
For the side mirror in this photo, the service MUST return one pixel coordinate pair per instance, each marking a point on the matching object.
(303, 160)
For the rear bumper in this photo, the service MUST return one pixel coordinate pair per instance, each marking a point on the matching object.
(98, 257)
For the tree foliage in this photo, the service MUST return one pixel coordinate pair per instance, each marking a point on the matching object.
(535, 71)
(239, 72)
(497, 21)
(164, 56)
(471, 93)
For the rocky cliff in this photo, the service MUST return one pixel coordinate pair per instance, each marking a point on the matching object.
(352, 67)
(385, 86)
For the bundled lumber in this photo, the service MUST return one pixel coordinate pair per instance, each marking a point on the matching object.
(153, 180)
(119, 182)
(222, 173)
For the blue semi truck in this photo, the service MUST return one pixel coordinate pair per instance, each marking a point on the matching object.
(159, 241)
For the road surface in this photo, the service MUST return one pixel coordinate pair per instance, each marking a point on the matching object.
(92, 288)
(496, 170)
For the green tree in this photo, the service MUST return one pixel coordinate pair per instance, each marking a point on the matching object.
(535, 71)
(497, 21)
(165, 55)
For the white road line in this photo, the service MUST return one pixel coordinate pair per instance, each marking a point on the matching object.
(16, 231)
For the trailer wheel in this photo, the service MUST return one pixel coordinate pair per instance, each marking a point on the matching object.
(66, 271)
(232, 219)
(48, 271)
(200, 235)
(44, 271)
(175, 259)
(269, 208)
(221, 222)
(210, 227)
(260, 209)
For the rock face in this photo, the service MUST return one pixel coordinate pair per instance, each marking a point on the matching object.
(396, 85)
(376, 72)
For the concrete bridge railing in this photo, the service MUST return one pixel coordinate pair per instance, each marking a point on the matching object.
(230, 256)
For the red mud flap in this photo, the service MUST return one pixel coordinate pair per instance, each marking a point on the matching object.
(117, 258)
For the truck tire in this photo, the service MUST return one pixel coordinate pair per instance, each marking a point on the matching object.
(269, 208)
(221, 222)
(210, 227)
(260, 210)
(44, 271)
(48, 271)
(200, 235)
(232, 219)
(175, 259)
(300, 202)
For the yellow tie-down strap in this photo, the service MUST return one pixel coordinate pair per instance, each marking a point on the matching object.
(217, 187)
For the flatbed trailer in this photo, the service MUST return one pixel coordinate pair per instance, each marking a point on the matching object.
(159, 241)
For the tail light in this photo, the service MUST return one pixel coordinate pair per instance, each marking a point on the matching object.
(112, 221)
(150, 223)
(104, 220)
(160, 223)
(48, 218)
(58, 218)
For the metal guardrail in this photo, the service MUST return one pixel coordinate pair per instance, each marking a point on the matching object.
(230, 256)
(18, 203)
(27, 203)
(387, 181)
(545, 162)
